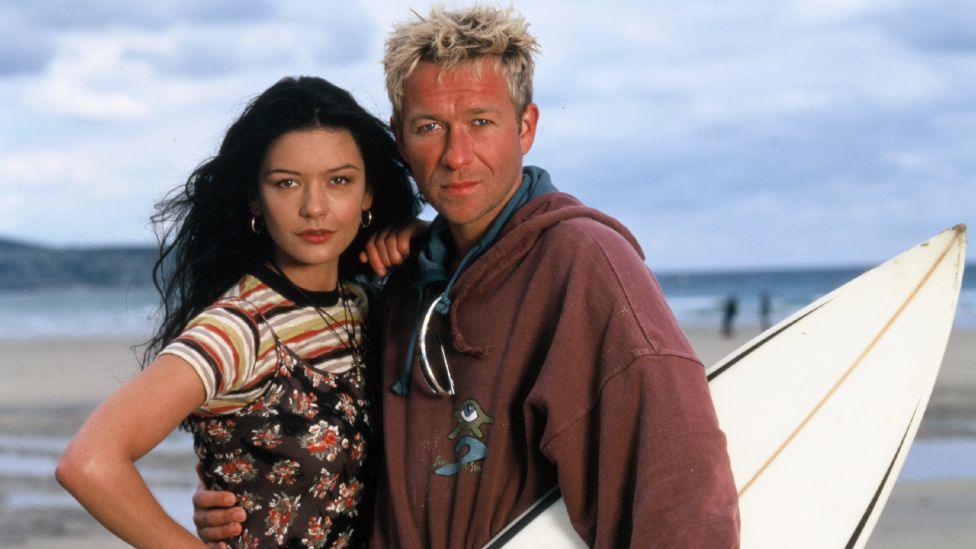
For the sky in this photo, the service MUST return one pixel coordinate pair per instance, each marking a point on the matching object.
(725, 135)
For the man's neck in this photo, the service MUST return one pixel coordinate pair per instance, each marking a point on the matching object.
(466, 236)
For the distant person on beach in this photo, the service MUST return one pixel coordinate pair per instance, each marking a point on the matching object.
(765, 310)
(527, 348)
(261, 353)
(730, 308)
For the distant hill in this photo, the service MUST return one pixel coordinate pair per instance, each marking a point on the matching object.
(8, 244)
(28, 266)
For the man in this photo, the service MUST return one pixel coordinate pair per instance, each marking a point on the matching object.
(526, 345)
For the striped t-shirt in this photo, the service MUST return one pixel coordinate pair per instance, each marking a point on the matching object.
(231, 344)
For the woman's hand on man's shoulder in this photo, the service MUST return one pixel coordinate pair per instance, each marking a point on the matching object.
(391, 246)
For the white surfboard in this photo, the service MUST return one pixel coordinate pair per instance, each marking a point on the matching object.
(821, 409)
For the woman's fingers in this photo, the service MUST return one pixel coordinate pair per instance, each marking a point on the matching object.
(390, 247)
(403, 242)
(393, 247)
(373, 256)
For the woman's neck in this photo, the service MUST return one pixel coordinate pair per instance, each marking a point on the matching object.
(312, 278)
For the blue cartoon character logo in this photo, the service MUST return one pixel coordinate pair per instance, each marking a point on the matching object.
(470, 417)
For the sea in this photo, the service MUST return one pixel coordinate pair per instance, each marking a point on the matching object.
(697, 299)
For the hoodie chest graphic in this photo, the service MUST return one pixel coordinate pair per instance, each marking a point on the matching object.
(470, 448)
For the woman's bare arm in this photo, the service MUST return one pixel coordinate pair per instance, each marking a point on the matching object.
(98, 465)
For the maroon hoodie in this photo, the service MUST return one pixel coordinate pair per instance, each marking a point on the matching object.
(569, 369)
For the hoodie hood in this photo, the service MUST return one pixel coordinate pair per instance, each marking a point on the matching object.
(517, 239)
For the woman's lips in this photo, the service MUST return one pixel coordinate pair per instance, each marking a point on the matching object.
(316, 236)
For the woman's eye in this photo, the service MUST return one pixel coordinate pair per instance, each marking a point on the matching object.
(339, 180)
(286, 183)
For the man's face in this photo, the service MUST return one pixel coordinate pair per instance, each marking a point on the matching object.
(464, 142)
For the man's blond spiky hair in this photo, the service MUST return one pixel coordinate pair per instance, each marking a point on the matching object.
(451, 38)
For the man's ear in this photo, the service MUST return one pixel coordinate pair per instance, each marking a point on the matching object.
(397, 134)
(528, 121)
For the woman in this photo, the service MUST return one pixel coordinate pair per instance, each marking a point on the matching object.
(261, 350)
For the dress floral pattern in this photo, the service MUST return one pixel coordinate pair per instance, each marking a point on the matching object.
(293, 456)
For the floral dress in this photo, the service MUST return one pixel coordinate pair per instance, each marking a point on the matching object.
(293, 456)
(294, 453)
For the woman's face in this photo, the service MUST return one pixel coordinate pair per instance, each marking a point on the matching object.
(311, 195)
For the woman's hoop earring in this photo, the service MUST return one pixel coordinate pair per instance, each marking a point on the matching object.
(368, 220)
(254, 224)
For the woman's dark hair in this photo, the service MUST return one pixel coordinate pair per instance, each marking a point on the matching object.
(203, 228)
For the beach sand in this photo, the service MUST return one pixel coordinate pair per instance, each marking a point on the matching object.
(48, 388)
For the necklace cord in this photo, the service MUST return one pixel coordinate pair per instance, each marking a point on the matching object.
(355, 341)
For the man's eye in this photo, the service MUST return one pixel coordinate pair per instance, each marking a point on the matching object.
(428, 127)
(481, 122)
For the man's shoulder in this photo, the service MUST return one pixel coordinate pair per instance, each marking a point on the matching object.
(588, 237)
(558, 219)
(583, 228)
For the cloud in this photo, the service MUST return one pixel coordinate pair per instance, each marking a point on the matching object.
(940, 26)
(213, 51)
(99, 15)
(113, 65)
(22, 50)
(839, 11)
(101, 188)
(85, 80)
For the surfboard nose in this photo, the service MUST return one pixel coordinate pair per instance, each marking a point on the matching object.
(953, 237)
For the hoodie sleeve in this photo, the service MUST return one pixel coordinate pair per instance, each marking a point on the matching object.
(640, 458)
